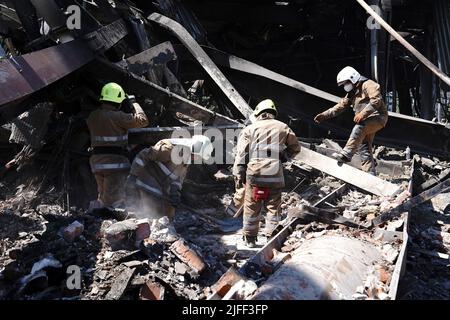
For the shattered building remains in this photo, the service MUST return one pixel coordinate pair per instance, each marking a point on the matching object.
(202, 66)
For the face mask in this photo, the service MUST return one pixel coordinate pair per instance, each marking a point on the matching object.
(348, 87)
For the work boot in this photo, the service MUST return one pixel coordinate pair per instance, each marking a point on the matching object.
(250, 241)
(341, 157)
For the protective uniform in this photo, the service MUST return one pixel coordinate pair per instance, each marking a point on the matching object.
(260, 149)
(367, 102)
(109, 138)
(158, 173)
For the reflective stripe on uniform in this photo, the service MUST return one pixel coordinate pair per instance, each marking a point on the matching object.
(265, 146)
(166, 171)
(111, 166)
(274, 179)
(148, 188)
(111, 138)
(250, 227)
(251, 219)
(139, 161)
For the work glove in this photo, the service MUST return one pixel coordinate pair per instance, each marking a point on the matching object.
(127, 104)
(131, 99)
(320, 118)
(358, 118)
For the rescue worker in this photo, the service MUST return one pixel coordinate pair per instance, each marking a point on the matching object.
(108, 128)
(158, 172)
(371, 115)
(261, 148)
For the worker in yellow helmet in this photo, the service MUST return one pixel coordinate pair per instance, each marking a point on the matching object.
(108, 128)
(261, 148)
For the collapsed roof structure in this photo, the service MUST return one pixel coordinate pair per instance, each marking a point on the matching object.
(208, 63)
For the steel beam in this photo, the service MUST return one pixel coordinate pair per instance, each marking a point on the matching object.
(137, 85)
(205, 61)
(299, 100)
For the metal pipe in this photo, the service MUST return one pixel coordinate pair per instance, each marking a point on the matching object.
(405, 43)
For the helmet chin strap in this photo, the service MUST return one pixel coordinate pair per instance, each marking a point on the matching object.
(349, 87)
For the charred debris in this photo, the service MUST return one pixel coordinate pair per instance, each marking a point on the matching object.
(193, 63)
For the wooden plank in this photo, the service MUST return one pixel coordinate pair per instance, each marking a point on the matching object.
(137, 85)
(346, 173)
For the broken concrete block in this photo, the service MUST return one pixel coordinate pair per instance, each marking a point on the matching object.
(152, 291)
(163, 231)
(73, 231)
(180, 268)
(143, 230)
(121, 234)
(188, 256)
(389, 253)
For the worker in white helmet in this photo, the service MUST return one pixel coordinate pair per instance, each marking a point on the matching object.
(158, 173)
(371, 115)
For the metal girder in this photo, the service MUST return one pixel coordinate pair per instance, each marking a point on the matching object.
(205, 61)
(358, 178)
(23, 76)
(422, 136)
(137, 85)
(160, 54)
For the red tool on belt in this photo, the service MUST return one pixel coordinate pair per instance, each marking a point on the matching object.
(260, 193)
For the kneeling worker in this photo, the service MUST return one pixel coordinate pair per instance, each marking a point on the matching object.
(371, 115)
(108, 128)
(261, 148)
(158, 173)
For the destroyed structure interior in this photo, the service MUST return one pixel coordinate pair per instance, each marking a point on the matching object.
(344, 234)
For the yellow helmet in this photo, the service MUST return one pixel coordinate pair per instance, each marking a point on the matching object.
(112, 92)
(266, 105)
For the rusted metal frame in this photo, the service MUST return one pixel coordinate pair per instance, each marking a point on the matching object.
(106, 37)
(344, 172)
(137, 85)
(160, 54)
(21, 76)
(205, 61)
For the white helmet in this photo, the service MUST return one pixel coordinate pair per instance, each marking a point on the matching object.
(348, 74)
(202, 147)
(199, 145)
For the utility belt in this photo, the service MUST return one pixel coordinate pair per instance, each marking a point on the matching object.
(110, 150)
